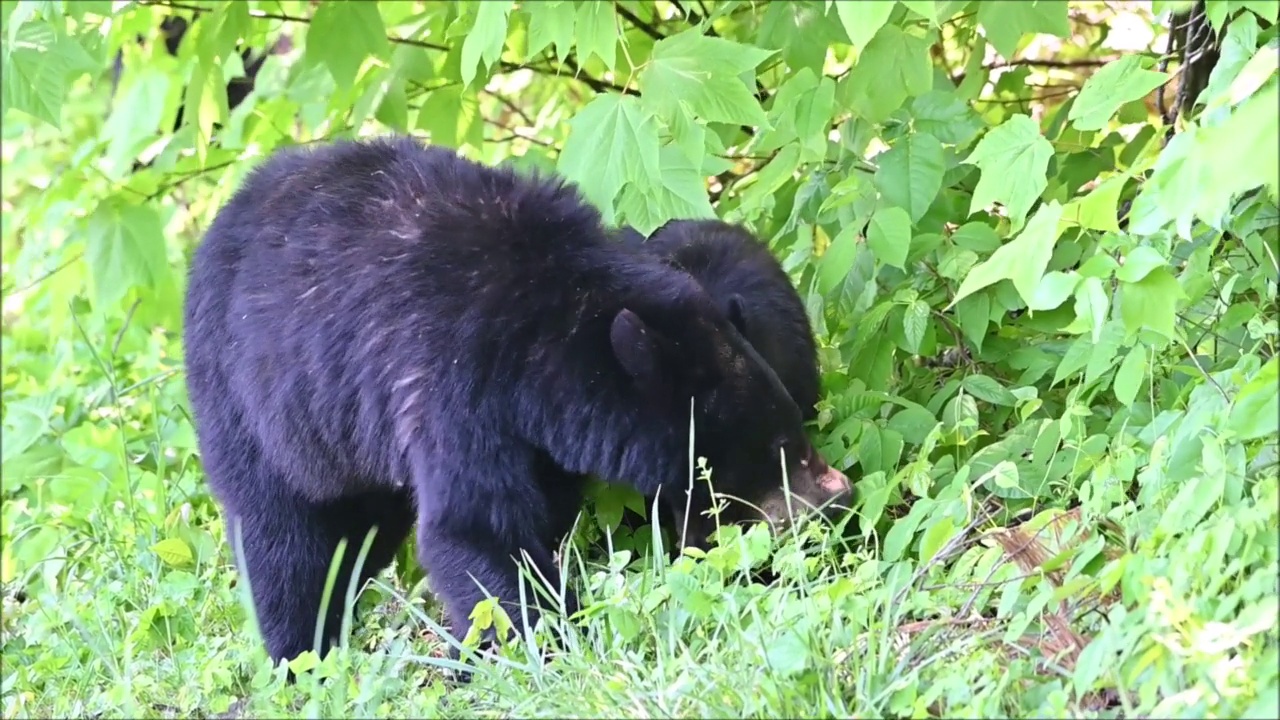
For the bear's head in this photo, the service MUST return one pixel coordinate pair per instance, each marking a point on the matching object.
(745, 423)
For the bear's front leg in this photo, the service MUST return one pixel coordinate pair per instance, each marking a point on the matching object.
(462, 566)
(483, 513)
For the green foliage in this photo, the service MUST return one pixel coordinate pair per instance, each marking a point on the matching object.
(1047, 325)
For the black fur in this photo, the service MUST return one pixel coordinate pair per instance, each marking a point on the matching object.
(751, 287)
(379, 333)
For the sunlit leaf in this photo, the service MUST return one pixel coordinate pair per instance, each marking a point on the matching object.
(910, 174)
(612, 141)
(1013, 158)
(1022, 260)
(1115, 84)
(484, 42)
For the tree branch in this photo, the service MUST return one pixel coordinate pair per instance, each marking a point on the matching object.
(596, 84)
(631, 17)
(1035, 62)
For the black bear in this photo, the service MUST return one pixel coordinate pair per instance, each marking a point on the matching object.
(379, 333)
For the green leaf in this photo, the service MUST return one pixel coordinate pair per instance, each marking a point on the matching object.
(1103, 354)
(889, 236)
(913, 423)
(1097, 210)
(1262, 67)
(1092, 305)
(988, 389)
(18, 17)
(1139, 263)
(135, 117)
(910, 174)
(1229, 153)
(870, 450)
(703, 73)
(1023, 260)
(173, 552)
(776, 173)
(787, 655)
(813, 113)
(956, 263)
(974, 314)
(837, 261)
(862, 19)
(976, 236)
(1235, 50)
(893, 67)
(1201, 171)
(1129, 377)
(1255, 412)
(936, 538)
(801, 110)
(1007, 22)
(895, 541)
(452, 116)
(1076, 357)
(1100, 266)
(681, 192)
(1105, 91)
(612, 141)
(1014, 159)
(1054, 289)
(924, 8)
(484, 42)
(945, 116)
(306, 661)
(1151, 303)
(914, 322)
(342, 34)
(38, 69)
(551, 22)
(208, 96)
(1003, 475)
(1194, 500)
(126, 249)
(597, 32)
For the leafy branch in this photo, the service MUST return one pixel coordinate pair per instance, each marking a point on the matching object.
(575, 73)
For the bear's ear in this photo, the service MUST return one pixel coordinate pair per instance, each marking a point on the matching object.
(636, 345)
(736, 309)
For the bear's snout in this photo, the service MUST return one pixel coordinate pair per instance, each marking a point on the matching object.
(815, 487)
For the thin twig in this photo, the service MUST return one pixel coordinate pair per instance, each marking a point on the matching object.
(45, 276)
(1196, 361)
(128, 318)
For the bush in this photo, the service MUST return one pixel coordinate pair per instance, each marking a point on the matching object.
(1038, 244)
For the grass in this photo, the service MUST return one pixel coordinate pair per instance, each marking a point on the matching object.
(133, 609)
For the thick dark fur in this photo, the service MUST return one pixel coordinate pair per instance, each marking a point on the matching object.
(379, 334)
(751, 287)
(753, 290)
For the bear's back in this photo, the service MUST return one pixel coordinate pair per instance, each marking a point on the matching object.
(348, 294)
